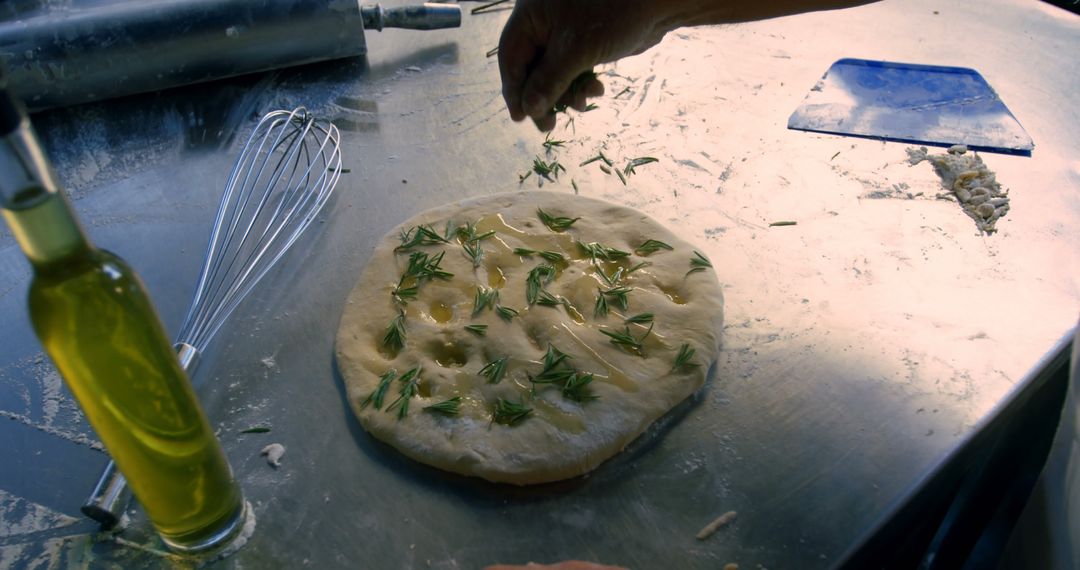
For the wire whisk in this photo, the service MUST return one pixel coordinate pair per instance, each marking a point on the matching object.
(285, 174)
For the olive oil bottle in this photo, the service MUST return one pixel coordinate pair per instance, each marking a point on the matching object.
(95, 320)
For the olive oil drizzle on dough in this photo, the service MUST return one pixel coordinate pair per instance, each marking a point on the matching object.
(557, 251)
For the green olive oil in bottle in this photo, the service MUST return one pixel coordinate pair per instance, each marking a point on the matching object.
(95, 320)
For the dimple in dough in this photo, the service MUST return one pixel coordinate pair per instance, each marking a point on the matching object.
(561, 438)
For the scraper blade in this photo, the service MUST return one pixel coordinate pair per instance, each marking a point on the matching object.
(924, 104)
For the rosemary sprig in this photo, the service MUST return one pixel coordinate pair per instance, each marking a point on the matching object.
(538, 277)
(783, 223)
(698, 263)
(683, 358)
(474, 251)
(555, 223)
(627, 341)
(622, 177)
(577, 387)
(420, 235)
(506, 312)
(638, 266)
(551, 256)
(596, 251)
(634, 163)
(424, 267)
(377, 396)
(601, 307)
(485, 298)
(494, 370)
(410, 385)
(522, 177)
(479, 330)
(612, 280)
(467, 233)
(394, 339)
(509, 413)
(652, 246)
(546, 299)
(405, 294)
(256, 429)
(590, 107)
(618, 296)
(449, 407)
(640, 319)
(553, 357)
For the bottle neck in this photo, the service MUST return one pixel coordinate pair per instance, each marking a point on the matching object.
(38, 213)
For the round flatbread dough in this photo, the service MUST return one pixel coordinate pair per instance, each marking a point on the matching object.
(507, 406)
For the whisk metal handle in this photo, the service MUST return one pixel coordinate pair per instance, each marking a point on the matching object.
(111, 495)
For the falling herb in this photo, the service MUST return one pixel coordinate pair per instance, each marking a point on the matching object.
(590, 107)
(449, 407)
(574, 185)
(634, 163)
(394, 339)
(599, 156)
(509, 413)
(484, 298)
(486, 7)
(551, 143)
(506, 312)
(547, 169)
(652, 246)
(538, 277)
(625, 90)
(479, 330)
(698, 263)
(605, 169)
(783, 223)
(494, 370)
(377, 396)
(640, 319)
(522, 177)
(622, 178)
(627, 341)
(410, 385)
(492, 51)
(682, 360)
(555, 223)
(256, 429)
(420, 235)
(596, 251)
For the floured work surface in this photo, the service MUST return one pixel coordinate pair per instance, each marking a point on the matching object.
(526, 337)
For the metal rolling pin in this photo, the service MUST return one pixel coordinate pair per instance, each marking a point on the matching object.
(88, 50)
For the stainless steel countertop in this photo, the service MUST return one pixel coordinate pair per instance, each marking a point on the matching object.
(861, 347)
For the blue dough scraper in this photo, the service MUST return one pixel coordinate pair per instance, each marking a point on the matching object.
(903, 102)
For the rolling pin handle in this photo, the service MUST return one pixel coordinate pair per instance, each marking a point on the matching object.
(428, 16)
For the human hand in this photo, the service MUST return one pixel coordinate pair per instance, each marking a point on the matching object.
(568, 565)
(548, 48)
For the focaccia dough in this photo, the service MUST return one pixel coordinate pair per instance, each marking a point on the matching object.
(561, 437)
